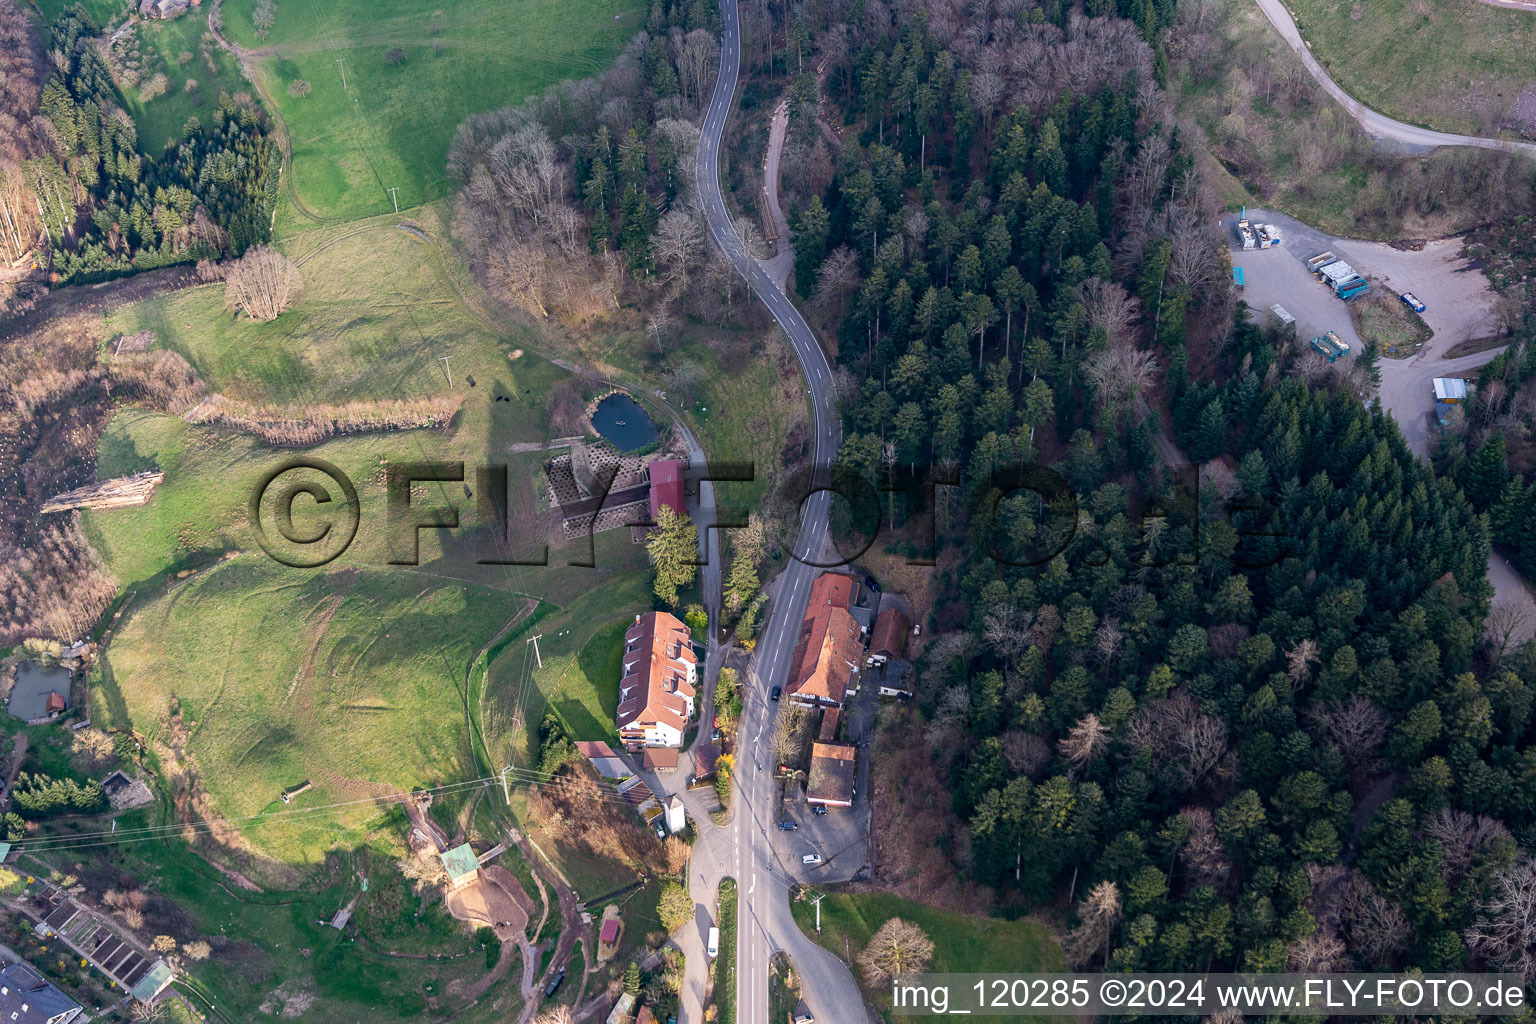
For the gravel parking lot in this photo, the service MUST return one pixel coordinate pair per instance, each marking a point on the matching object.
(1459, 299)
(1277, 275)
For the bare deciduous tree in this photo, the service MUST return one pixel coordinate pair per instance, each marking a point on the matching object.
(1358, 728)
(675, 245)
(1202, 854)
(1373, 924)
(1120, 371)
(1504, 934)
(838, 276)
(1097, 917)
(1107, 640)
(1174, 729)
(262, 284)
(1085, 742)
(1194, 260)
(1299, 661)
(1006, 631)
(1027, 753)
(696, 60)
(1109, 306)
(656, 324)
(1506, 620)
(147, 1012)
(520, 270)
(899, 947)
(1462, 837)
(1320, 952)
(787, 740)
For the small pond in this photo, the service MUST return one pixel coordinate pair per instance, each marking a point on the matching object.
(622, 421)
(34, 682)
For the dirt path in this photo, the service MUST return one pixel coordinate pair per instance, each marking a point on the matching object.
(783, 260)
(283, 136)
(571, 927)
(18, 758)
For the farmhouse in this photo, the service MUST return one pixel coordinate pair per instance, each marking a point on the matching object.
(27, 997)
(831, 644)
(834, 775)
(656, 689)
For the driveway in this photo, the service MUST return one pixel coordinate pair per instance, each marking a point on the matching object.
(1375, 124)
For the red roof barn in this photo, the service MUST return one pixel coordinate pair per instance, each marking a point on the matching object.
(667, 487)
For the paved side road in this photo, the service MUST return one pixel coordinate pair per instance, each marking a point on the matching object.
(1376, 124)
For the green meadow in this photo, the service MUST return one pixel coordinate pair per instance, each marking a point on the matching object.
(962, 943)
(357, 675)
(391, 125)
(1453, 65)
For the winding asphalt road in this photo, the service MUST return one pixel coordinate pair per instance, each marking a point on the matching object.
(740, 848)
(1376, 124)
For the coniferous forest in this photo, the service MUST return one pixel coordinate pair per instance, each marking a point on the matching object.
(107, 207)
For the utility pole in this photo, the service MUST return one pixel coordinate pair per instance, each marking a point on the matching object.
(535, 641)
(340, 65)
(396, 200)
(449, 371)
(506, 793)
(818, 913)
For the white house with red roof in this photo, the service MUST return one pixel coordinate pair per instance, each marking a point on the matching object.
(656, 690)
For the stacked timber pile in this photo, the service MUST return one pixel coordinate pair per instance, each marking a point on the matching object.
(122, 492)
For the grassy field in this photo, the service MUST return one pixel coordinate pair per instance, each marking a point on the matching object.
(962, 944)
(351, 675)
(376, 318)
(350, 679)
(1454, 65)
(392, 123)
(1382, 317)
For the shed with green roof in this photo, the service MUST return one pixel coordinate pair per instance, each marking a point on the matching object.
(462, 864)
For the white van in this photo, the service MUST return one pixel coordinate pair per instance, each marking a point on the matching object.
(714, 943)
(811, 858)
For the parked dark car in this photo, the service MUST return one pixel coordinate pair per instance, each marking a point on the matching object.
(775, 694)
(554, 983)
(818, 809)
(788, 826)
